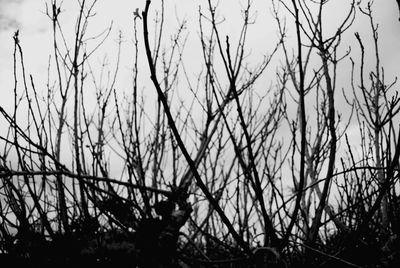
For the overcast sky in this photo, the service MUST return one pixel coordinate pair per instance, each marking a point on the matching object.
(29, 17)
(34, 26)
(35, 32)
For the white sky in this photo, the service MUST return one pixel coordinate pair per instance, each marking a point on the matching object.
(28, 16)
(35, 33)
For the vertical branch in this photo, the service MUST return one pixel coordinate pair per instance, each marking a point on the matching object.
(303, 125)
(55, 12)
(332, 132)
(378, 93)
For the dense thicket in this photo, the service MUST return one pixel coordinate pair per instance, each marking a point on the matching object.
(213, 156)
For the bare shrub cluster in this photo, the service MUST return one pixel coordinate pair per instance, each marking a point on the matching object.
(241, 165)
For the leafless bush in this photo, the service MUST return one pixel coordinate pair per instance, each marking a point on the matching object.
(219, 166)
